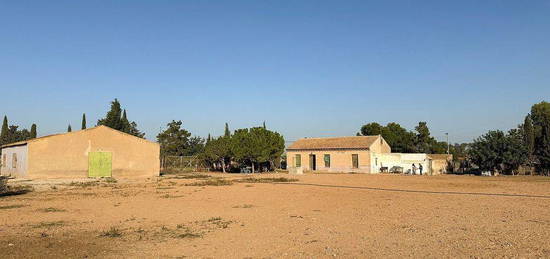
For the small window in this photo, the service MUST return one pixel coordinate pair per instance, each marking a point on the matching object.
(14, 161)
(327, 160)
(4, 160)
(355, 160)
(298, 161)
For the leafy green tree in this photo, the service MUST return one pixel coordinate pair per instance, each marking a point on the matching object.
(196, 146)
(83, 121)
(399, 139)
(218, 150)
(540, 114)
(69, 129)
(227, 132)
(174, 141)
(423, 138)
(371, 129)
(33, 131)
(499, 152)
(257, 145)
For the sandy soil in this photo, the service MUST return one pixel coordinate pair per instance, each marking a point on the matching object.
(319, 216)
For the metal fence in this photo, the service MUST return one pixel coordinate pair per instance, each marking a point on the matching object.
(182, 163)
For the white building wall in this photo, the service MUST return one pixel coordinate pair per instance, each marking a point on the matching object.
(14, 167)
(404, 160)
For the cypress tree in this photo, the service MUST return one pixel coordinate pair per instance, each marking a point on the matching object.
(84, 121)
(33, 131)
(529, 136)
(209, 138)
(69, 129)
(113, 117)
(4, 134)
(265, 126)
(227, 132)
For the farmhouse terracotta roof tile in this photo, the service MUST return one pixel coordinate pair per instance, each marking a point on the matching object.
(357, 142)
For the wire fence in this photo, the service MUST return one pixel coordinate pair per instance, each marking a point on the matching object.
(182, 164)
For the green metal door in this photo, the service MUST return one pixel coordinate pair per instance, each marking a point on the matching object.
(99, 164)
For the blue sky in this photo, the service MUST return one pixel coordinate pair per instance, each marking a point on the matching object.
(307, 68)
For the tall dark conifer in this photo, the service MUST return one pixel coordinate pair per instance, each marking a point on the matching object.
(227, 132)
(69, 129)
(83, 121)
(33, 131)
(4, 134)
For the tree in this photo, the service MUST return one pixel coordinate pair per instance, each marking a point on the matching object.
(117, 119)
(543, 152)
(174, 141)
(4, 134)
(371, 129)
(113, 117)
(195, 146)
(227, 132)
(256, 146)
(208, 139)
(399, 139)
(499, 152)
(69, 129)
(83, 121)
(529, 138)
(33, 131)
(264, 125)
(218, 150)
(423, 138)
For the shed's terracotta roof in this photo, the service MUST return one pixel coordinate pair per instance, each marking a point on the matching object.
(358, 142)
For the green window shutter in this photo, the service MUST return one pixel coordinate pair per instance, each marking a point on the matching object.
(327, 160)
(298, 161)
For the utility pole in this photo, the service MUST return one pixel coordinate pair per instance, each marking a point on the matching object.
(447, 142)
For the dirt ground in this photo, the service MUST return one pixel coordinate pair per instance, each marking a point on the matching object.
(319, 216)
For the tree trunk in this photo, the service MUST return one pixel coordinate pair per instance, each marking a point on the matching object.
(252, 167)
(223, 165)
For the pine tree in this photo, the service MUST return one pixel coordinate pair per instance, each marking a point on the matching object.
(83, 121)
(113, 117)
(69, 129)
(227, 132)
(33, 131)
(5, 133)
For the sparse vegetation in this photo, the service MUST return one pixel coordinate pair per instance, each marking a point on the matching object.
(267, 180)
(15, 206)
(211, 182)
(112, 232)
(245, 206)
(51, 209)
(190, 176)
(110, 180)
(49, 224)
(84, 184)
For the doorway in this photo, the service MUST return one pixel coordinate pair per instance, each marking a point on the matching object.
(100, 164)
(312, 162)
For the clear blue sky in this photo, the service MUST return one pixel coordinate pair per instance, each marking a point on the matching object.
(308, 68)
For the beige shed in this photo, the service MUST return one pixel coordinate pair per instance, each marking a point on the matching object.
(94, 152)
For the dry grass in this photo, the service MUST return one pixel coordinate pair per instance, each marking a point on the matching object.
(267, 180)
(49, 224)
(16, 206)
(211, 182)
(51, 209)
(112, 232)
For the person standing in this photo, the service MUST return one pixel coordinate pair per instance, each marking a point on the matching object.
(414, 169)
(420, 167)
